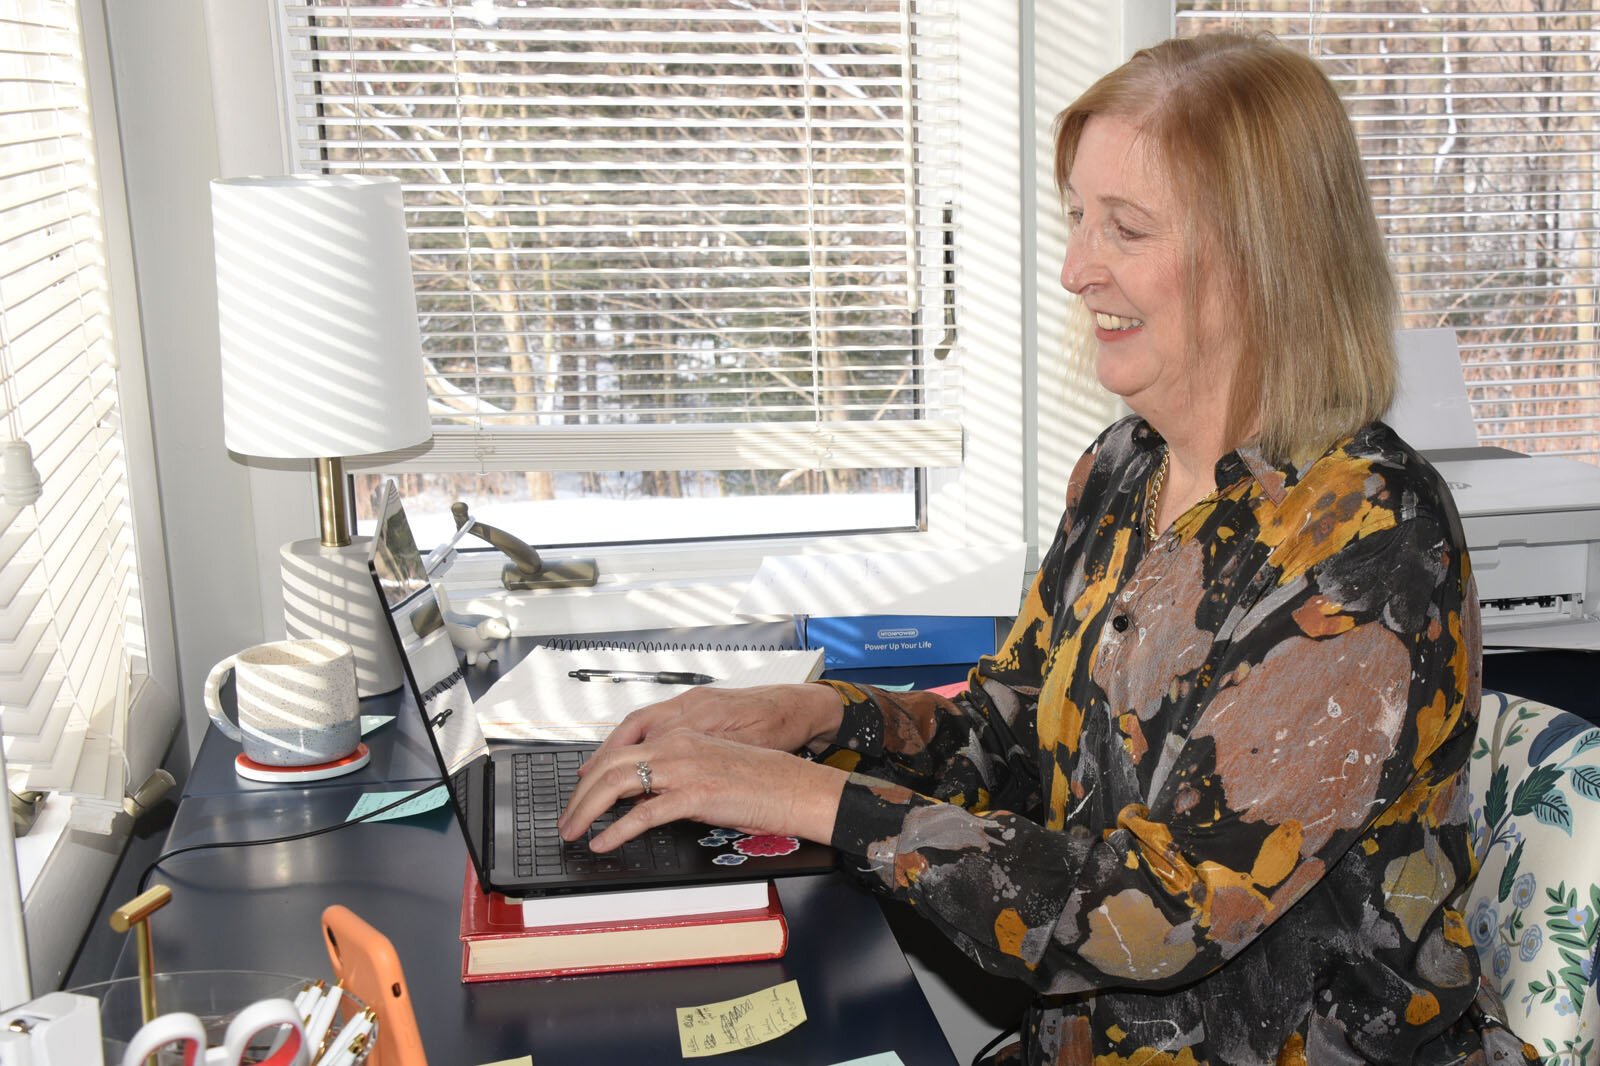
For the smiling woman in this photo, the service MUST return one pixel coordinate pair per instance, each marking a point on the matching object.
(1222, 214)
(1164, 345)
(1209, 798)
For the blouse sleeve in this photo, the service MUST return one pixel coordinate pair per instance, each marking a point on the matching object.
(980, 748)
(1340, 704)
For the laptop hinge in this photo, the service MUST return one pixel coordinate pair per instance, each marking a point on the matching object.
(486, 816)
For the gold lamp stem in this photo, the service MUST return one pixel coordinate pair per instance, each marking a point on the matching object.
(333, 503)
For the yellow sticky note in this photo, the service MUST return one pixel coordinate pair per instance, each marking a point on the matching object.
(740, 1023)
(526, 1060)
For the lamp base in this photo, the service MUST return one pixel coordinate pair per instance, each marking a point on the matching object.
(328, 593)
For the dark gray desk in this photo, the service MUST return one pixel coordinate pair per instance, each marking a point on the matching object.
(258, 908)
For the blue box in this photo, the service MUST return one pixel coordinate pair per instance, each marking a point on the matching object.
(851, 643)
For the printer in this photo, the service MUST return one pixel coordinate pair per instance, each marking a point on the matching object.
(1532, 522)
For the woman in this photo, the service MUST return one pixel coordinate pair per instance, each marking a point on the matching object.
(1209, 799)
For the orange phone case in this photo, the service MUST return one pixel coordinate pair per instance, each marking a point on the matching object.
(367, 963)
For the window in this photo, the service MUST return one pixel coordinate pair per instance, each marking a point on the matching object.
(693, 257)
(83, 651)
(70, 611)
(1480, 124)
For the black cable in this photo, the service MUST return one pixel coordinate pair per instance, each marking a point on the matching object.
(164, 856)
(977, 1058)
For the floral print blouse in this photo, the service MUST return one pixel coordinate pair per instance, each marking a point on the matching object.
(1209, 799)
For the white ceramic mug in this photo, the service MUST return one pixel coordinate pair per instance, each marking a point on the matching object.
(296, 698)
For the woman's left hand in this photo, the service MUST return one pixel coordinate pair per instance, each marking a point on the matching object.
(705, 779)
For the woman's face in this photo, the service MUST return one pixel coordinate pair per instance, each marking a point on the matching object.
(1125, 255)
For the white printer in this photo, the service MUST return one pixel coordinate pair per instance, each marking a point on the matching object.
(1532, 522)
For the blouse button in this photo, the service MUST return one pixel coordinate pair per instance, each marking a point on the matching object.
(1120, 623)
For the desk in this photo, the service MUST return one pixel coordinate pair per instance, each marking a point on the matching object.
(258, 908)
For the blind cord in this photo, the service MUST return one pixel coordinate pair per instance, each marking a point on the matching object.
(144, 878)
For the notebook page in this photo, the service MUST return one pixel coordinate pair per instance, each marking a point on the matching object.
(537, 700)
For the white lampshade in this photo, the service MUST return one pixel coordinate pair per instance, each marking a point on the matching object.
(321, 352)
(321, 359)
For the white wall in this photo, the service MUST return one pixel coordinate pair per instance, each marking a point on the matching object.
(163, 90)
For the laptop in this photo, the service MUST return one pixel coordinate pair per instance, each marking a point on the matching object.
(507, 796)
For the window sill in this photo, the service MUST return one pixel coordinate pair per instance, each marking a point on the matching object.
(646, 588)
(35, 850)
(631, 594)
(61, 872)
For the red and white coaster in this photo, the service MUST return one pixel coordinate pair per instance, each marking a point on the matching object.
(257, 771)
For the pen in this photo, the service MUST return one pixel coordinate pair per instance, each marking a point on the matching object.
(659, 677)
(321, 1018)
(307, 998)
(343, 1048)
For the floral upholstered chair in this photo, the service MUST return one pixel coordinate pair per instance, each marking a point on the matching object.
(1534, 908)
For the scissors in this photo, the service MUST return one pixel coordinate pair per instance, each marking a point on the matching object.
(187, 1033)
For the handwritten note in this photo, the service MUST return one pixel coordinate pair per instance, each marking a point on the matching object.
(371, 801)
(740, 1023)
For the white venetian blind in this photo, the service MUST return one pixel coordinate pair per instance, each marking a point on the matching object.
(70, 642)
(1480, 124)
(660, 235)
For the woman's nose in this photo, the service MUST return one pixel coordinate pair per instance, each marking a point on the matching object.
(1082, 267)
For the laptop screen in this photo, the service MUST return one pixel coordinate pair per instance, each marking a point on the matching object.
(431, 662)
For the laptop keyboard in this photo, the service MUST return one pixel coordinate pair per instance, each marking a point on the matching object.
(543, 782)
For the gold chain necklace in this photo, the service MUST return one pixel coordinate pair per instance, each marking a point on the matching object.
(1152, 500)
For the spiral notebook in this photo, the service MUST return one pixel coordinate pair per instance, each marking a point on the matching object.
(538, 699)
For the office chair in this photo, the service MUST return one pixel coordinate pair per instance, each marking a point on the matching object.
(1532, 911)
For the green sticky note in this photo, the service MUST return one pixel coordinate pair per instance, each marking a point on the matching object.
(907, 687)
(882, 1058)
(371, 801)
(369, 722)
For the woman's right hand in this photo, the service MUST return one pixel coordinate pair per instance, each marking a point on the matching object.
(784, 717)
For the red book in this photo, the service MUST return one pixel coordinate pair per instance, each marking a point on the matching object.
(497, 946)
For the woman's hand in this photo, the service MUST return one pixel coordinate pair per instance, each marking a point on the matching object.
(783, 717)
(705, 779)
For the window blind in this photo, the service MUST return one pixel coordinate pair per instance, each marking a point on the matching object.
(70, 642)
(708, 234)
(1480, 127)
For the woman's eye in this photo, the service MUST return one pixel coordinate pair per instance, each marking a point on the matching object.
(1074, 216)
(1127, 234)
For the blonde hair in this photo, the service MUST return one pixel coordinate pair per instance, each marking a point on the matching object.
(1263, 159)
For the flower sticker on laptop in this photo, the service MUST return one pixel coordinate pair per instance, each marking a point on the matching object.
(767, 846)
(763, 846)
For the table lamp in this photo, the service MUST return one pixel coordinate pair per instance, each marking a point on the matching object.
(321, 359)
